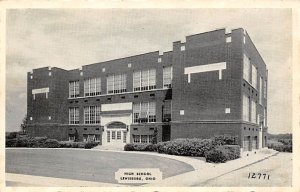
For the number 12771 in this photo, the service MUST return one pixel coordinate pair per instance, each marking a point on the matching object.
(258, 176)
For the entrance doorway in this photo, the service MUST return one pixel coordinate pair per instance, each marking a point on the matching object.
(116, 133)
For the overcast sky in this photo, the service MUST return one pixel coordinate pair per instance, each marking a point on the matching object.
(69, 38)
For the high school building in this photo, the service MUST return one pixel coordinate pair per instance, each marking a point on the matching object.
(213, 83)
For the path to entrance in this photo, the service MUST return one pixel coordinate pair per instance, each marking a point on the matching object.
(86, 165)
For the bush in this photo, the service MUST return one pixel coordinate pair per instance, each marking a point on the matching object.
(140, 147)
(225, 140)
(51, 143)
(281, 147)
(185, 147)
(221, 154)
(90, 145)
(10, 142)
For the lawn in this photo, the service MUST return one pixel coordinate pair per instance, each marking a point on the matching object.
(86, 165)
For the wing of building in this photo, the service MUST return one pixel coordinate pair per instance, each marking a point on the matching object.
(214, 83)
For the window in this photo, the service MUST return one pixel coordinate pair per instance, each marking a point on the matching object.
(73, 89)
(113, 134)
(142, 138)
(167, 76)
(144, 80)
(124, 136)
(253, 112)
(116, 83)
(265, 116)
(246, 70)
(144, 112)
(118, 135)
(92, 87)
(254, 77)
(108, 136)
(265, 89)
(260, 90)
(136, 138)
(167, 110)
(74, 115)
(246, 108)
(92, 115)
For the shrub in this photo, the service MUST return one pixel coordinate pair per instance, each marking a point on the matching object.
(140, 147)
(185, 147)
(225, 140)
(280, 147)
(221, 154)
(10, 142)
(51, 143)
(90, 145)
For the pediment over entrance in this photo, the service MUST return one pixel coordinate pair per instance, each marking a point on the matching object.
(116, 125)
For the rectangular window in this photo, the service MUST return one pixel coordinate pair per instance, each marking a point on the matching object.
(246, 108)
(167, 76)
(108, 136)
(124, 136)
(92, 87)
(260, 90)
(265, 89)
(144, 138)
(136, 138)
(113, 134)
(74, 115)
(73, 89)
(116, 83)
(167, 110)
(152, 112)
(246, 69)
(119, 135)
(254, 77)
(92, 115)
(253, 112)
(144, 112)
(144, 80)
(265, 116)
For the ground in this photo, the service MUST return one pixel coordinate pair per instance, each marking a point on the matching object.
(89, 165)
(279, 167)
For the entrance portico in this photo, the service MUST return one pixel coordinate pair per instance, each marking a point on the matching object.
(116, 120)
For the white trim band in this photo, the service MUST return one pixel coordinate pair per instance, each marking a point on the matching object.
(205, 68)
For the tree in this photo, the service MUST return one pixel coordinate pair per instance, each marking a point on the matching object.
(24, 124)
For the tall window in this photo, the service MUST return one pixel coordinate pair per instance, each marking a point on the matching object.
(167, 110)
(144, 112)
(144, 80)
(167, 76)
(73, 89)
(246, 70)
(246, 108)
(253, 112)
(254, 77)
(92, 86)
(116, 83)
(74, 115)
(92, 115)
(260, 89)
(265, 89)
(265, 116)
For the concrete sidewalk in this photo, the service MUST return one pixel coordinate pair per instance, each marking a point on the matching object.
(210, 171)
(40, 181)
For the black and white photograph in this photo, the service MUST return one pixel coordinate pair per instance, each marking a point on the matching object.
(143, 98)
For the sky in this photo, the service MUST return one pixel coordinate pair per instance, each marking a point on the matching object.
(70, 38)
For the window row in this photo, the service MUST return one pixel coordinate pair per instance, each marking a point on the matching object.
(142, 138)
(250, 116)
(144, 112)
(92, 115)
(142, 80)
(246, 75)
